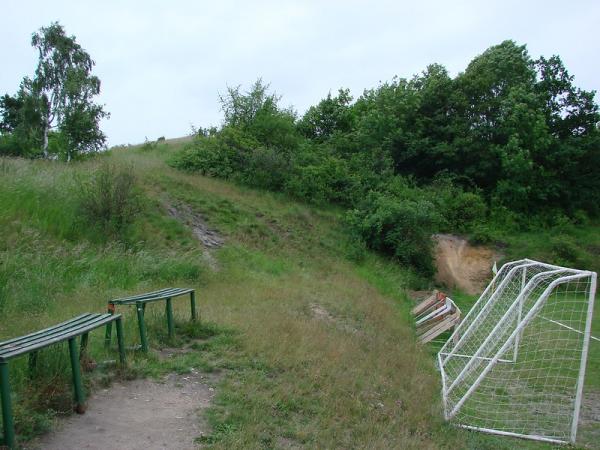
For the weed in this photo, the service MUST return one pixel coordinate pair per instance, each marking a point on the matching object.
(109, 201)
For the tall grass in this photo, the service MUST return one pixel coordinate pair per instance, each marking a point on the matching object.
(291, 376)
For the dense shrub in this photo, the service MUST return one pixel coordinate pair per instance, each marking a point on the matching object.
(399, 227)
(10, 145)
(265, 168)
(461, 210)
(332, 115)
(109, 200)
(319, 178)
(220, 155)
(566, 252)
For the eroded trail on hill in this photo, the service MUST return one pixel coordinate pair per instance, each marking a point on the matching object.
(139, 414)
(209, 238)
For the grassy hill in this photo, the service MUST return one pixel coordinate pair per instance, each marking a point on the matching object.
(312, 349)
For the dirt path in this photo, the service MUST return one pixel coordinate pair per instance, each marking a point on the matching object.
(139, 414)
(209, 238)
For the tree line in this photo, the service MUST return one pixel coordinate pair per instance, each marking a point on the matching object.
(507, 139)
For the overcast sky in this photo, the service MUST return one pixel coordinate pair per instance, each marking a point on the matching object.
(162, 64)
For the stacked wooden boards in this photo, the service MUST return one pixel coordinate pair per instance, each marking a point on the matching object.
(435, 315)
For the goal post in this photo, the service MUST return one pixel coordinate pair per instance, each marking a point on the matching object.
(515, 365)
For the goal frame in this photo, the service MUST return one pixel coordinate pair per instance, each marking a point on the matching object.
(470, 323)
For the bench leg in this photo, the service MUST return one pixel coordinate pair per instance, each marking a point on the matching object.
(108, 334)
(193, 305)
(170, 325)
(120, 341)
(7, 418)
(32, 364)
(76, 370)
(142, 325)
(83, 345)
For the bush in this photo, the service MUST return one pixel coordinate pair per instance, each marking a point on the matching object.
(319, 178)
(58, 145)
(109, 200)
(400, 227)
(9, 146)
(266, 168)
(565, 251)
(483, 234)
(462, 211)
(149, 145)
(219, 155)
(13, 145)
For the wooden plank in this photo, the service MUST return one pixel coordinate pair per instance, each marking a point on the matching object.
(96, 321)
(444, 308)
(433, 307)
(425, 304)
(51, 329)
(443, 326)
(152, 296)
(430, 324)
(139, 296)
(52, 332)
(93, 322)
(156, 299)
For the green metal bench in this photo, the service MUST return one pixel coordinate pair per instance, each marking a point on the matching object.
(140, 301)
(32, 343)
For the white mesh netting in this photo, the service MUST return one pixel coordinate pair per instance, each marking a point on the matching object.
(515, 365)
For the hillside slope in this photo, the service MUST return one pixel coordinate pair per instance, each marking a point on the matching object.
(312, 349)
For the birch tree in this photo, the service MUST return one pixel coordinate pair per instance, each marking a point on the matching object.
(66, 87)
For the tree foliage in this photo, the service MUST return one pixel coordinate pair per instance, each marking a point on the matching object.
(57, 104)
(508, 138)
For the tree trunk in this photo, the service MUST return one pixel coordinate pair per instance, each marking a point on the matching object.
(47, 121)
(46, 129)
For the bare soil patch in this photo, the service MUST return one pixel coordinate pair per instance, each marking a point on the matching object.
(209, 238)
(462, 265)
(138, 415)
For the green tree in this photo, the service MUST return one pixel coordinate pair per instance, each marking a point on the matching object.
(21, 122)
(64, 83)
(258, 114)
(331, 115)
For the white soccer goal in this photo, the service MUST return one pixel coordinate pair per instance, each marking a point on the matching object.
(515, 365)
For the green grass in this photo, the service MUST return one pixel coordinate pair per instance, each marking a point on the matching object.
(542, 341)
(312, 349)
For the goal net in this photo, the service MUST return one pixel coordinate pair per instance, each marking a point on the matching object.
(515, 365)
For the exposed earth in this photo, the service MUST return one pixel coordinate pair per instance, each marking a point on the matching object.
(138, 415)
(462, 265)
(209, 238)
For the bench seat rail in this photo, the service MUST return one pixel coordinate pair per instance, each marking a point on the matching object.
(61, 332)
(152, 296)
(32, 343)
(140, 301)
